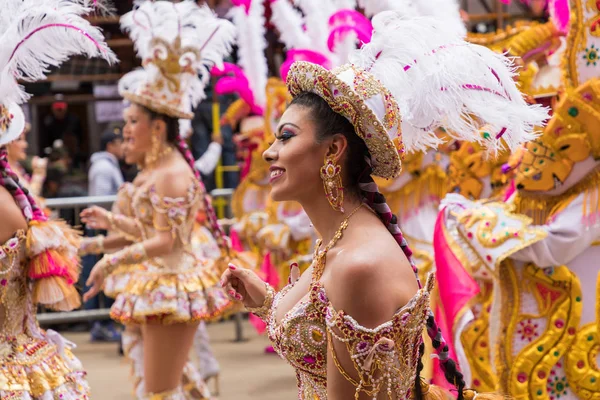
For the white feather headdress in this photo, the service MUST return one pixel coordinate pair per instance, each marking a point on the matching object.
(417, 75)
(34, 36)
(178, 43)
(250, 25)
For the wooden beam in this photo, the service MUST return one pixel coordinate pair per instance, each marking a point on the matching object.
(71, 99)
(122, 42)
(103, 20)
(83, 78)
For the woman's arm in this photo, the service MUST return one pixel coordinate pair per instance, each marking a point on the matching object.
(100, 244)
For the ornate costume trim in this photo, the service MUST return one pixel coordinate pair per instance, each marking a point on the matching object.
(543, 208)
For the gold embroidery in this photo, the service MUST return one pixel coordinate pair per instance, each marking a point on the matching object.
(476, 341)
(558, 292)
(581, 367)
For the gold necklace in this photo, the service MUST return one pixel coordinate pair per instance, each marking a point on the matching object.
(155, 158)
(319, 257)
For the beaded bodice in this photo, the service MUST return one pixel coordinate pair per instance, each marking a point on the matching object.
(177, 215)
(301, 338)
(16, 305)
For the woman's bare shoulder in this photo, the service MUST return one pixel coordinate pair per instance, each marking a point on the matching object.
(12, 216)
(372, 278)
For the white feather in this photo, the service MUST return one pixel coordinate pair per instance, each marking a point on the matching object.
(42, 34)
(289, 23)
(196, 26)
(316, 17)
(446, 11)
(132, 80)
(251, 48)
(440, 80)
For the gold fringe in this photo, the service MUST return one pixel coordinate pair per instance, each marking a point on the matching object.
(542, 208)
(531, 39)
(431, 183)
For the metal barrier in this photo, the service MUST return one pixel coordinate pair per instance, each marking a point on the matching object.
(79, 203)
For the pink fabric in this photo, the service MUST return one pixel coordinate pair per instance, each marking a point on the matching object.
(510, 190)
(236, 243)
(455, 285)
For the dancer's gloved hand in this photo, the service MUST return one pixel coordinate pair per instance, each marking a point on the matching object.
(96, 218)
(244, 285)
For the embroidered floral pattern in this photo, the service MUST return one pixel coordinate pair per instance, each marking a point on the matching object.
(528, 330)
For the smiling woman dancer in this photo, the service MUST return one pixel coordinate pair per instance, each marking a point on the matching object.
(351, 325)
(166, 294)
(38, 257)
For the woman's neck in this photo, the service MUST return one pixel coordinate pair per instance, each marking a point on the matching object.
(324, 218)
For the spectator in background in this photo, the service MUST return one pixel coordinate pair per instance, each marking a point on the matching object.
(105, 178)
(66, 126)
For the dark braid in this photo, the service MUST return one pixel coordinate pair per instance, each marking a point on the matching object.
(23, 198)
(418, 389)
(175, 138)
(358, 171)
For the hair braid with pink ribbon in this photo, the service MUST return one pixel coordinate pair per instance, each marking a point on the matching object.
(10, 181)
(216, 228)
(376, 200)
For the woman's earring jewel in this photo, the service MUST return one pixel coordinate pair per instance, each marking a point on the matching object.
(332, 183)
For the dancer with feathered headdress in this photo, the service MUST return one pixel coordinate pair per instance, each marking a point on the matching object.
(38, 257)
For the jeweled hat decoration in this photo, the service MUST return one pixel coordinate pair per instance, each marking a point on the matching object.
(415, 76)
(36, 35)
(178, 43)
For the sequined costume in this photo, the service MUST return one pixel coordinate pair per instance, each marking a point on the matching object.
(302, 336)
(34, 363)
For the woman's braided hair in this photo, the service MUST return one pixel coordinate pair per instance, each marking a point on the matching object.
(358, 169)
(174, 137)
(10, 181)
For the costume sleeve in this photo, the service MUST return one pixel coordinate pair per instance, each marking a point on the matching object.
(130, 228)
(207, 163)
(568, 235)
(393, 345)
(134, 254)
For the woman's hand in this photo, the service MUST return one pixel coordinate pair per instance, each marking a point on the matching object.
(244, 285)
(94, 282)
(95, 218)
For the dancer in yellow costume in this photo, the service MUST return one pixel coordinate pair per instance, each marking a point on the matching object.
(540, 246)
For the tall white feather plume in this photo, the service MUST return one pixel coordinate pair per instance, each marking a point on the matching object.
(198, 29)
(373, 7)
(251, 48)
(316, 17)
(439, 79)
(40, 34)
(290, 25)
(132, 80)
(446, 11)
(344, 4)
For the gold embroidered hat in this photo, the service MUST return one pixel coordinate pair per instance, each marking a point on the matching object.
(178, 44)
(415, 76)
(35, 35)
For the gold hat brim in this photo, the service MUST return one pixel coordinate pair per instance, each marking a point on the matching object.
(157, 106)
(308, 77)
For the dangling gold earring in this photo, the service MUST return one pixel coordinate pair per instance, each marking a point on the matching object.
(153, 154)
(332, 182)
